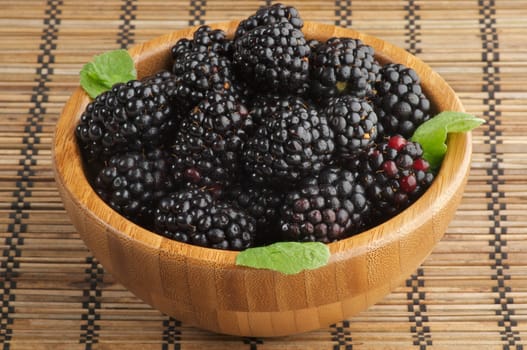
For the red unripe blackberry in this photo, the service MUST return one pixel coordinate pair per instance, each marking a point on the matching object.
(394, 175)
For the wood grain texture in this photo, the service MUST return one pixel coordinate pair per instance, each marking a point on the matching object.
(203, 287)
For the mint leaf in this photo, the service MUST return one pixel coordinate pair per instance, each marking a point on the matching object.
(105, 70)
(432, 134)
(286, 257)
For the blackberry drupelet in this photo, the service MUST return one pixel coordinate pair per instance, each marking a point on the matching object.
(265, 15)
(295, 142)
(325, 208)
(394, 175)
(132, 116)
(206, 148)
(263, 204)
(342, 66)
(400, 103)
(132, 183)
(273, 57)
(193, 216)
(354, 123)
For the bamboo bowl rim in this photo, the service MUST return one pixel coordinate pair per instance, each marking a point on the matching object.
(68, 166)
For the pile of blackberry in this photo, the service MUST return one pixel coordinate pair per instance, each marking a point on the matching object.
(267, 136)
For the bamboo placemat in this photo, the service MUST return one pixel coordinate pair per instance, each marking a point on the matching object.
(471, 293)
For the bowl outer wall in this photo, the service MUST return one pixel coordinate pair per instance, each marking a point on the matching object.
(204, 288)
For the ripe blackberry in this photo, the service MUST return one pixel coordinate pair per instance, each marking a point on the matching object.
(343, 66)
(265, 106)
(200, 72)
(354, 123)
(204, 39)
(132, 116)
(294, 143)
(394, 175)
(193, 216)
(263, 204)
(265, 15)
(273, 57)
(132, 183)
(325, 208)
(206, 148)
(400, 103)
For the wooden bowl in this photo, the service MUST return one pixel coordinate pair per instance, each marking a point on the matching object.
(204, 288)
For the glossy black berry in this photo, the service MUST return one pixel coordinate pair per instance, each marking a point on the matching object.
(194, 216)
(206, 148)
(132, 183)
(342, 66)
(273, 57)
(325, 208)
(400, 102)
(132, 116)
(354, 123)
(265, 15)
(296, 142)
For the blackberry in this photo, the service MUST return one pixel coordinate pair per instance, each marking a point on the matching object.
(193, 216)
(201, 65)
(273, 57)
(265, 106)
(354, 123)
(207, 145)
(198, 73)
(204, 39)
(132, 116)
(325, 208)
(343, 66)
(132, 183)
(400, 103)
(263, 204)
(394, 175)
(265, 15)
(294, 143)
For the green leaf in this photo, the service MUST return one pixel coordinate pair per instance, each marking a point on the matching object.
(105, 70)
(286, 257)
(432, 134)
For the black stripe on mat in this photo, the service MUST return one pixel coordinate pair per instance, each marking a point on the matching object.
(197, 12)
(341, 336)
(92, 295)
(20, 205)
(417, 307)
(253, 342)
(343, 13)
(499, 258)
(91, 304)
(125, 37)
(171, 334)
(412, 27)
